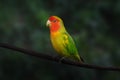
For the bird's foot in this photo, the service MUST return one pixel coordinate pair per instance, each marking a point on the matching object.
(61, 59)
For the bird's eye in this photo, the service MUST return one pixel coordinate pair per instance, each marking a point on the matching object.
(54, 21)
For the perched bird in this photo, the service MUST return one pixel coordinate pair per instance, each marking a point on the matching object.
(61, 40)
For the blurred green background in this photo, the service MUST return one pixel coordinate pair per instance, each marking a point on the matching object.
(94, 25)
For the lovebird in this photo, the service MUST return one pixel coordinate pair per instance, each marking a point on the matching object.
(61, 40)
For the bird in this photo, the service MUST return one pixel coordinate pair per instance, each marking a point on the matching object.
(61, 40)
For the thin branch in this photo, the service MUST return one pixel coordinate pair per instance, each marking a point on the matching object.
(51, 58)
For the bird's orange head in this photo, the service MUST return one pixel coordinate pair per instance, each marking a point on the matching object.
(54, 23)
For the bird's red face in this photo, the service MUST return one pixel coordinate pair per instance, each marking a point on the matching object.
(53, 23)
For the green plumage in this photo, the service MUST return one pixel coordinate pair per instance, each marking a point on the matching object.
(70, 47)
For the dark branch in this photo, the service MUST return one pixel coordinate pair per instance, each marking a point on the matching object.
(51, 58)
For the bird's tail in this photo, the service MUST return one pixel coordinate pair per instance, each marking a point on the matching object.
(79, 59)
(82, 59)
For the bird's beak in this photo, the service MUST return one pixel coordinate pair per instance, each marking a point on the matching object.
(48, 23)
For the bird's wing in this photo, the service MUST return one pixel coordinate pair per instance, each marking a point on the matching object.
(70, 47)
(69, 44)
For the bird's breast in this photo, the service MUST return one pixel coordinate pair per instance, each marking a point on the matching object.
(56, 40)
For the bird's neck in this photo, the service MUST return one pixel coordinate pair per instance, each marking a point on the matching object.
(57, 28)
(54, 28)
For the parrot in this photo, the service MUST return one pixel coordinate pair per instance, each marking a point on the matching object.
(61, 40)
